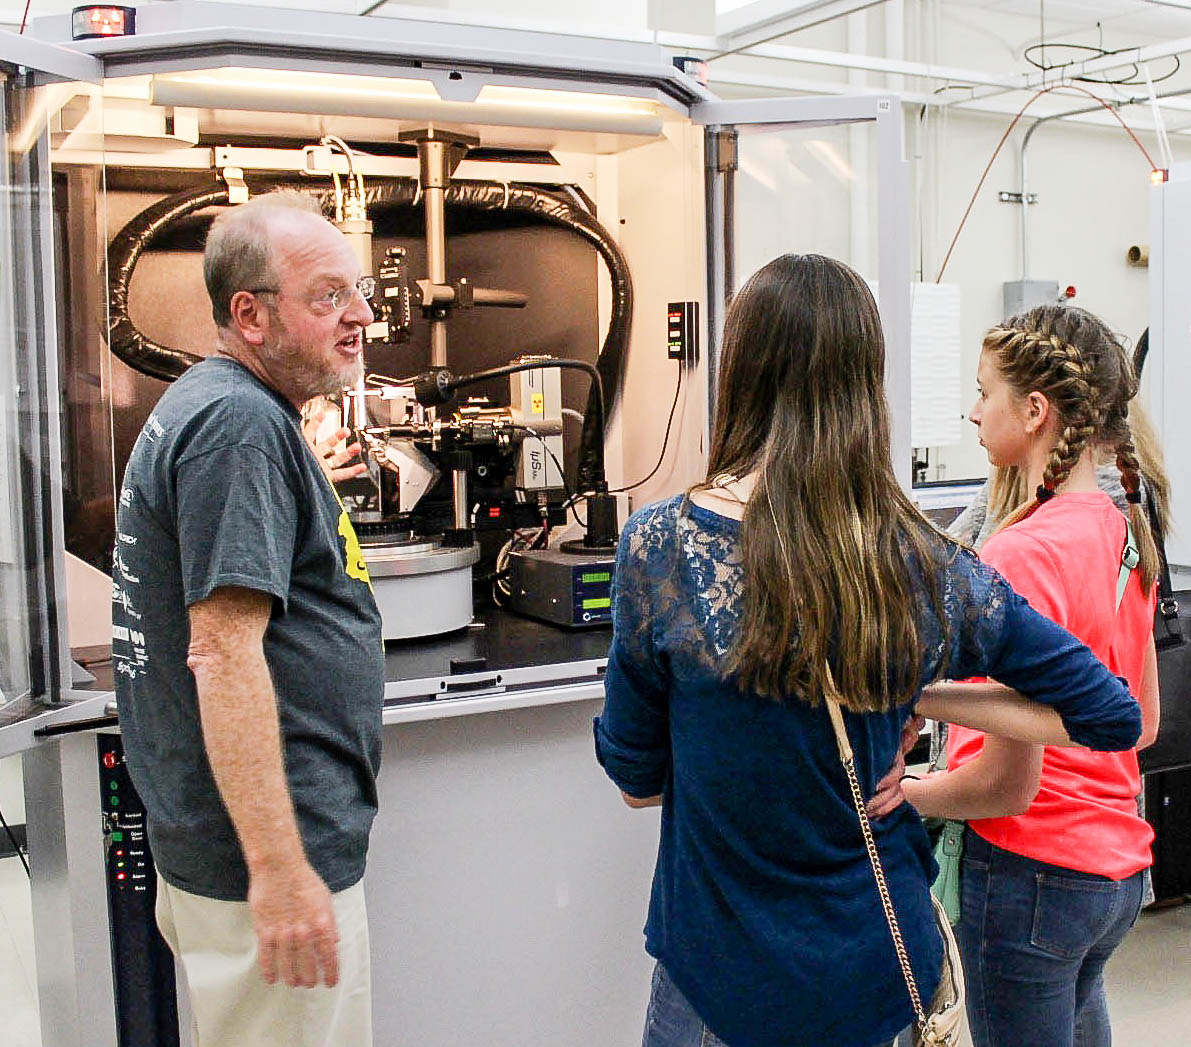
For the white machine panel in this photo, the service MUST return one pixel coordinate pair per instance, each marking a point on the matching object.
(1167, 371)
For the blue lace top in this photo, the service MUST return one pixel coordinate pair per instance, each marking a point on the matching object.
(764, 909)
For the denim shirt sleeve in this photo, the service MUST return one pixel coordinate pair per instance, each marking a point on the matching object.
(632, 734)
(994, 632)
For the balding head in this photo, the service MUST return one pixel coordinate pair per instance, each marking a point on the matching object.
(239, 255)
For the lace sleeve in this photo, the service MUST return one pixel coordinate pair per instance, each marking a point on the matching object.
(994, 632)
(969, 525)
(632, 736)
(975, 598)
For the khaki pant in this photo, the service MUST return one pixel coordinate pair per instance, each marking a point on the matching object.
(233, 1007)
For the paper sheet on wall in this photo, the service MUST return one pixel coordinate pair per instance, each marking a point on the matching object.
(935, 408)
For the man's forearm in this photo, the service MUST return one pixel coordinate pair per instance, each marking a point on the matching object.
(243, 739)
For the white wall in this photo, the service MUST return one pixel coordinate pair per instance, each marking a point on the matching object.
(1092, 183)
(1093, 203)
(660, 189)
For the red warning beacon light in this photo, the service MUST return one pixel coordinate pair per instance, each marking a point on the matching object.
(100, 20)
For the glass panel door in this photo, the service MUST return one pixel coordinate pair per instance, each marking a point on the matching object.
(814, 175)
(33, 645)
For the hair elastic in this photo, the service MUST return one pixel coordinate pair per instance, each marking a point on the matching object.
(1044, 493)
(1133, 497)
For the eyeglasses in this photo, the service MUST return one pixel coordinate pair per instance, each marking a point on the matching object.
(339, 298)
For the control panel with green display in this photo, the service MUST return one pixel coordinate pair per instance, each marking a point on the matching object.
(563, 588)
(593, 596)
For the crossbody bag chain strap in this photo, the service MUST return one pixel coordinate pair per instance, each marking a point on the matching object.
(874, 858)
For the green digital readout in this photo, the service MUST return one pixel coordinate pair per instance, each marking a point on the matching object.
(597, 576)
(597, 604)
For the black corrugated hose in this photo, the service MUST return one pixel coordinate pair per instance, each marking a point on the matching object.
(159, 361)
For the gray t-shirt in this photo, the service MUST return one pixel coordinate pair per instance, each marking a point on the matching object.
(222, 489)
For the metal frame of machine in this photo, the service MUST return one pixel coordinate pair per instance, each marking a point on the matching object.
(1167, 374)
(74, 965)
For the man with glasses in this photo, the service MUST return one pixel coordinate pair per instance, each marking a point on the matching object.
(247, 646)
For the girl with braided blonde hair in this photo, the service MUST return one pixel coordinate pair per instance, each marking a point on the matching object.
(1005, 489)
(1055, 848)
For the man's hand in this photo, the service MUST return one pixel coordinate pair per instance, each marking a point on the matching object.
(295, 926)
(290, 905)
(889, 796)
(335, 463)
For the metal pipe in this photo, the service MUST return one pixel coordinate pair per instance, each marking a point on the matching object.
(713, 204)
(433, 156)
(729, 182)
(440, 294)
(459, 499)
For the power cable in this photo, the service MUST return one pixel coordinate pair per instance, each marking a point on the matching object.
(1005, 137)
(24, 19)
(665, 442)
(1133, 78)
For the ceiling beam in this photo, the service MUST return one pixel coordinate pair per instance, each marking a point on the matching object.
(1001, 106)
(688, 42)
(810, 86)
(765, 20)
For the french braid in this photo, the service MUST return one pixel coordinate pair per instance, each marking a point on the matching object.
(1072, 358)
(1130, 469)
(1038, 358)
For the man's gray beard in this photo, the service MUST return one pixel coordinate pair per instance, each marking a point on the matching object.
(331, 383)
(307, 380)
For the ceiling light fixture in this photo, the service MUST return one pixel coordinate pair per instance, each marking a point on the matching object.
(287, 91)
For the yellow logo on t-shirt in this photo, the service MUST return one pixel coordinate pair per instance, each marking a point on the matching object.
(354, 555)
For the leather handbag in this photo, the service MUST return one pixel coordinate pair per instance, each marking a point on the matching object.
(940, 1025)
(949, 854)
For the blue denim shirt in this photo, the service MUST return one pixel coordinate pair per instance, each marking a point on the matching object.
(764, 909)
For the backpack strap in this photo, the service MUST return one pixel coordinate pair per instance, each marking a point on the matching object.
(1130, 558)
(1171, 633)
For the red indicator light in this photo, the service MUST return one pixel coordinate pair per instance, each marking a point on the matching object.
(121, 876)
(1070, 292)
(110, 760)
(494, 512)
(100, 20)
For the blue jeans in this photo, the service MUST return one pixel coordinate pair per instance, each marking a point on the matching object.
(671, 1021)
(1035, 939)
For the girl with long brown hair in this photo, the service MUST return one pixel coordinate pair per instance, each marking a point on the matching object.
(1050, 888)
(800, 571)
